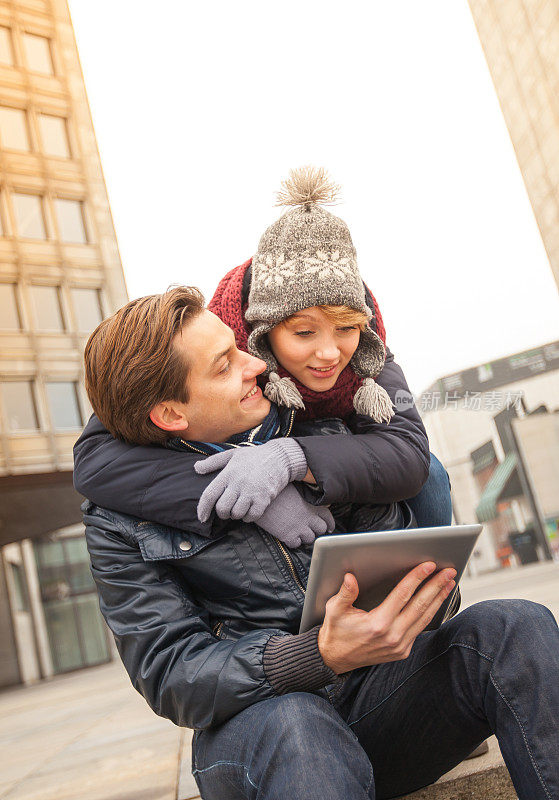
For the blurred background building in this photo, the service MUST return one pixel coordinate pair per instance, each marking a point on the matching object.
(496, 429)
(60, 274)
(520, 39)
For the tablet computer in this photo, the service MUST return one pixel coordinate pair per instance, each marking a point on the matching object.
(379, 560)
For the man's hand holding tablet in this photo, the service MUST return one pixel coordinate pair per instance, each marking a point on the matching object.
(350, 637)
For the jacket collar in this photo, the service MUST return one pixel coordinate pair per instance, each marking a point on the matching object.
(278, 422)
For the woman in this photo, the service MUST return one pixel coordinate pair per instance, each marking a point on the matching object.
(305, 263)
(301, 305)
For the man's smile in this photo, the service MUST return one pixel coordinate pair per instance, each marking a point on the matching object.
(254, 391)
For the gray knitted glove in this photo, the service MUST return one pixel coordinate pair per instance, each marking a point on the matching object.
(250, 478)
(294, 521)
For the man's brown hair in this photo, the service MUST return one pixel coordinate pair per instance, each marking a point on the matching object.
(131, 364)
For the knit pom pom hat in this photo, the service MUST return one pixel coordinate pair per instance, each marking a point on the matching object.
(304, 259)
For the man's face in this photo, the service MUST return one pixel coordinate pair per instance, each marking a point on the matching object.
(224, 398)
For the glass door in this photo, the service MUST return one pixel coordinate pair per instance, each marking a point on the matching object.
(76, 630)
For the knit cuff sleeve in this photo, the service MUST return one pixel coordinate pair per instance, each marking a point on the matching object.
(294, 664)
(295, 458)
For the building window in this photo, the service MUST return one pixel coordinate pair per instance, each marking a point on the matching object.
(21, 595)
(30, 219)
(75, 626)
(47, 310)
(71, 222)
(54, 136)
(6, 49)
(38, 54)
(19, 406)
(9, 312)
(64, 407)
(87, 309)
(13, 129)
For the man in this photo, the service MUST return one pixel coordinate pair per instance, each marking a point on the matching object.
(363, 706)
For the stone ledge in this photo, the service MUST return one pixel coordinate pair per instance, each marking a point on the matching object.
(475, 779)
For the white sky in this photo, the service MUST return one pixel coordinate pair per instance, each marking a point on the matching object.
(200, 109)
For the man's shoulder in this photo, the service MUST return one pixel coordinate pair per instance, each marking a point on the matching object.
(155, 541)
(110, 521)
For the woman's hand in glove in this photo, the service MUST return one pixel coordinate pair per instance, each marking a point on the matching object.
(294, 521)
(250, 478)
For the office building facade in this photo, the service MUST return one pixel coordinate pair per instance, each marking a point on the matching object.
(60, 274)
(520, 39)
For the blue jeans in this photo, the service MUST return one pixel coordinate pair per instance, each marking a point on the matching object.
(432, 506)
(387, 730)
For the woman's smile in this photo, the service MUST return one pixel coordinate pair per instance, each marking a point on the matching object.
(324, 372)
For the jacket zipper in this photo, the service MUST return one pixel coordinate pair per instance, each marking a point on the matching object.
(281, 548)
(290, 423)
(190, 447)
(217, 629)
(283, 551)
(290, 564)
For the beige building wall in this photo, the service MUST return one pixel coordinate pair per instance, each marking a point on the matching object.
(521, 43)
(60, 274)
(62, 262)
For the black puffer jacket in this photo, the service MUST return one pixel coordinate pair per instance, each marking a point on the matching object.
(206, 618)
(206, 625)
(192, 615)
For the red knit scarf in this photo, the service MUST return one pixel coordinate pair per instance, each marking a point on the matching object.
(227, 304)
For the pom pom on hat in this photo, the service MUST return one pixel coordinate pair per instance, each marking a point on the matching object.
(374, 401)
(308, 185)
(283, 392)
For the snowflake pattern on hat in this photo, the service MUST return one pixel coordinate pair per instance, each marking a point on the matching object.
(329, 265)
(275, 270)
(323, 265)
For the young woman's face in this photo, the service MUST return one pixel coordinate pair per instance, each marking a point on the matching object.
(313, 349)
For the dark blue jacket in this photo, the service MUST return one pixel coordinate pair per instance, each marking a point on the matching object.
(206, 625)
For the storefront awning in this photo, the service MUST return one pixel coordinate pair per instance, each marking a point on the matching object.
(487, 507)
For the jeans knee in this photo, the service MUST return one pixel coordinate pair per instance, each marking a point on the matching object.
(301, 711)
(526, 614)
(305, 746)
(303, 724)
(492, 623)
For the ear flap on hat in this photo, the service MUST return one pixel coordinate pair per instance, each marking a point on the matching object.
(281, 391)
(368, 359)
(259, 346)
